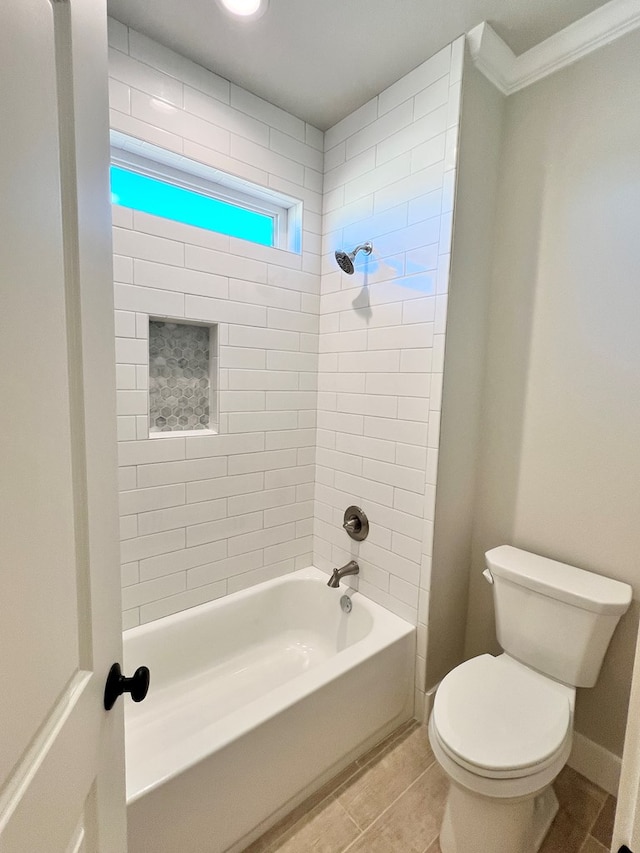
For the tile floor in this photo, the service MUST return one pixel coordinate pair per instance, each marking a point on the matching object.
(391, 801)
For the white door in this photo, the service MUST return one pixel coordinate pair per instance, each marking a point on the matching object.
(61, 753)
(627, 825)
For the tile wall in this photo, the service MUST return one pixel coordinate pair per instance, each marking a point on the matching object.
(389, 178)
(203, 516)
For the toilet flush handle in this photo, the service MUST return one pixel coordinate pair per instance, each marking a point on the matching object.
(488, 576)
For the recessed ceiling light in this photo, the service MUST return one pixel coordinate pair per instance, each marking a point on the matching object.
(245, 9)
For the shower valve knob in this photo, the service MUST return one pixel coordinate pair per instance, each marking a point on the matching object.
(356, 523)
(117, 684)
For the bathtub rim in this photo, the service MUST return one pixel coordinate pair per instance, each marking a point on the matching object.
(388, 629)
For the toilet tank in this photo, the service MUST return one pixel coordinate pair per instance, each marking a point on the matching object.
(556, 618)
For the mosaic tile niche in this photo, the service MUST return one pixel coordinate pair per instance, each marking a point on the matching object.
(180, 371)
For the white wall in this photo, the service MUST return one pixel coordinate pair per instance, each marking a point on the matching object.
(560, 462)
(204, 516)
(389, 178)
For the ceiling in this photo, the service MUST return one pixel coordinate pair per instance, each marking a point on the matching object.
(321, 59)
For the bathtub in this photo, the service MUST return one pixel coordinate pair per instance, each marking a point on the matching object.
(256, 699)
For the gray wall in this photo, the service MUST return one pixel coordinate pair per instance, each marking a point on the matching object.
(478, 169)
(559, 466)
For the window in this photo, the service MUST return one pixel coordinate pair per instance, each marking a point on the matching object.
(150, 179)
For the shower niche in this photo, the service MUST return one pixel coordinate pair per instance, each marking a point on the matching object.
(183, 377)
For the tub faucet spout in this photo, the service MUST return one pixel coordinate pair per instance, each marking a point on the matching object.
(352, 568)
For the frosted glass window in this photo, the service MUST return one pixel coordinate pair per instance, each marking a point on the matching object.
(160, 198)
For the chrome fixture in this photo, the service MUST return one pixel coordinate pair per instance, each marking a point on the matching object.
(346, 604)
(352, 568)
(345, 259)
(356, 523)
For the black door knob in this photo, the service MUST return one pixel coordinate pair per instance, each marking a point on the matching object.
(117, 684)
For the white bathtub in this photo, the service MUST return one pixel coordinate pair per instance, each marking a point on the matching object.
(255, 700)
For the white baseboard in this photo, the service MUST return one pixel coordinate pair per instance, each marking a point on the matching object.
(596, 763)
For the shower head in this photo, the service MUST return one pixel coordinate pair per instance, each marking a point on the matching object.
(345, 259)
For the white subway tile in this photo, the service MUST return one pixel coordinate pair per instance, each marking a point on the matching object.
(179, 231)
(142, 500)
(128, 527)
(264, 158)
(126, 478)
(291, 148)
(457, 59)
(118, 35)
(142, 593)
(150, 546)
(153, 450)
(143, 130)
(295, 400)
(147, 247)
(178, 66)
(223, 264)
(130, 298)
(245, 463)
(433, 98)
(119, 96)
(199, 283)
(262, 294)
(391, 173)
(218, 113)
(248, 579)
(122, 267)
(224, 311)
(174, 120)
(187, 514)
(269, 339)
(140, 76)
(314, 137)
(227, 528)
(181, 601)
(266, 112)
(131, 351)
(289, 477)
(223, 569)
(262, 500)
(129, 574)
(413, 82)
(224, 487)
(261, 421)
(125, 377)
(131, 402)
(428, 153)
(181, 561)
(260, 539)
(126, 427)
(354, 122)
(395, 430)
(165, 473)
(408, 502)
(409, 188)
(199, 447)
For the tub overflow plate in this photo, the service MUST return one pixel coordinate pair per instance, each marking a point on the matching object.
(346, 604)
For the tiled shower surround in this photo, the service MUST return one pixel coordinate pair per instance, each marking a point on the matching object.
(179, 381)
(206, 516)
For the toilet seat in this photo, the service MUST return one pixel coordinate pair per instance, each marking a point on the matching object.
(498, 719)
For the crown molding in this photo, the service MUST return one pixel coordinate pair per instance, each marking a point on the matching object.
(510, 73)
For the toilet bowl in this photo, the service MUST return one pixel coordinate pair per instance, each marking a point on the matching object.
(501, 727)
(502, 733)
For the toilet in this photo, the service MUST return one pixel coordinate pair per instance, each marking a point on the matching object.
(501, 727)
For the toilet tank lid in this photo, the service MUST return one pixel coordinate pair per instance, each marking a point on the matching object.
(559, 580)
